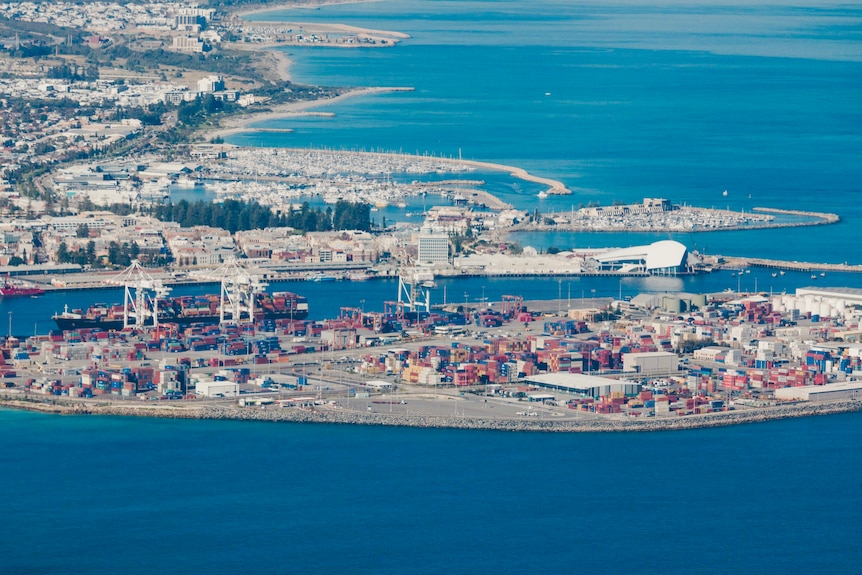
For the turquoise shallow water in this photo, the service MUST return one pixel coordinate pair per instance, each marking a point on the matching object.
(619, 101)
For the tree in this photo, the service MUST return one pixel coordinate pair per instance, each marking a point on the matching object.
(91, 252)
(16, 261)
(83, 231)
(62, 253)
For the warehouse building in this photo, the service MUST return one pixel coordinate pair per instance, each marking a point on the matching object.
(651, 363)
(582, 385)
(217, 388)
(828, 392)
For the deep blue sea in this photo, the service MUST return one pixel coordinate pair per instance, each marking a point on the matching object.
(620, 100)
(105, 495)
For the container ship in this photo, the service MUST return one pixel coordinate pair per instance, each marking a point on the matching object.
(18, 289)
(185, 310)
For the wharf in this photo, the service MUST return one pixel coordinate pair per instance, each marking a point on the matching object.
(543, 273)
(738, 263)
(100, 280)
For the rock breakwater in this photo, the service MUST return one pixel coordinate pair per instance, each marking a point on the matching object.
(588, 423)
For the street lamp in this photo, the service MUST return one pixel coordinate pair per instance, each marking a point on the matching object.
(466, 300)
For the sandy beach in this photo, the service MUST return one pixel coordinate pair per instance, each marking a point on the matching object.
(554, 187)
(281, 65)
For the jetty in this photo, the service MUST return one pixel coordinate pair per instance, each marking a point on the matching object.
(738, 263)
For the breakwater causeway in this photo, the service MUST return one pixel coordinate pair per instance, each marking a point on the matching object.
(588, 423)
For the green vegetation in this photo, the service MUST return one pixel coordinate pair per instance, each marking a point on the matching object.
(232, 215)
(236, 215)
(118, 254)
(198, 110)
(74, 73)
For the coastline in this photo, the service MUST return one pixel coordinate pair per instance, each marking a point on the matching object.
(245, 122)
(588, 424)
(309, 5)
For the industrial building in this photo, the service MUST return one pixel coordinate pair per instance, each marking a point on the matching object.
(828, 392)
(582, 384)
(665, 257)
(217, 388)
(833, 302)
(651, 363)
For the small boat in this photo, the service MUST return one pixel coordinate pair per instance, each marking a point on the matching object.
(774, 274)
(823, 274)
(323, 278)
(781, 272)
(814, 276)
(542, 195)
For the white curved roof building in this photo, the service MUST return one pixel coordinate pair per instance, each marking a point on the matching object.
(665, 257)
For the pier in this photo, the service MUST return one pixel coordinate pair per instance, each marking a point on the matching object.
(685, 219)
(738, 263)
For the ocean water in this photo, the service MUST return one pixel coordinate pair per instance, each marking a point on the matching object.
(140, 496)
(620, 101)
(676, 99)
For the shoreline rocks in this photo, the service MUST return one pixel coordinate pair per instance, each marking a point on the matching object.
(589, 423)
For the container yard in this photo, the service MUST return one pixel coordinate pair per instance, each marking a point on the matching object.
(519, 360)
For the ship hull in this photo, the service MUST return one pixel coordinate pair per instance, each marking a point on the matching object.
(108, 324)
(20, 292)
(187, 310)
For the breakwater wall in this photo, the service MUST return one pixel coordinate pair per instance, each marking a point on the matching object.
(815, 219)
(589, 422)
(738, 263)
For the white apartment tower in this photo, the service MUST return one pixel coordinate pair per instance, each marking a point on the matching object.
(433, 248)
